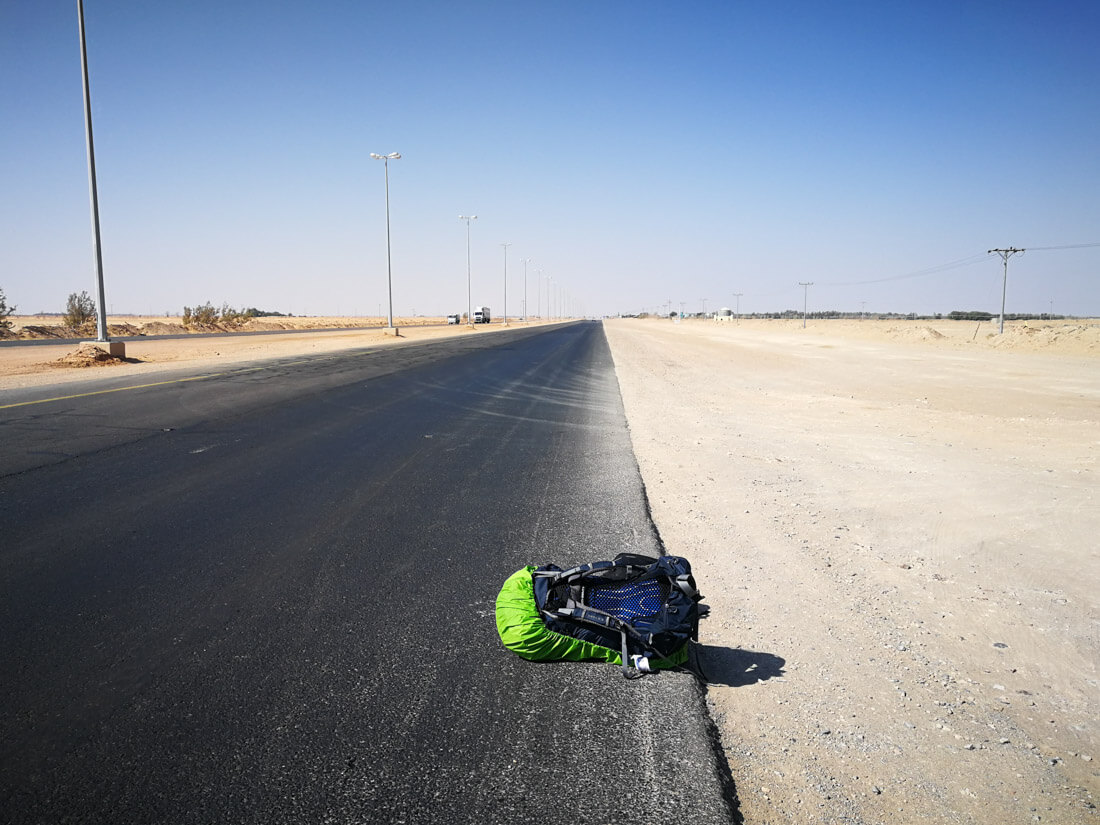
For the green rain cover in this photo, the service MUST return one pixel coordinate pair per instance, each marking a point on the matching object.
(522, 630)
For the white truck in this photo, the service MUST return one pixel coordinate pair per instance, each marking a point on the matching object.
(481, 315)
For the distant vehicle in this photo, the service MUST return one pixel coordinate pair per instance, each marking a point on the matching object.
(481, 315)
(453, 319)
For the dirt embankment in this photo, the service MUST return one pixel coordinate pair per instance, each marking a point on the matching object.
(895, 525)
(25, 327)
(1073, 337)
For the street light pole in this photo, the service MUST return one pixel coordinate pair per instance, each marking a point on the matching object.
(469, 292)
(737, 311)
(101, 321)
(506, 245)
(805, 298)
(525, 262)
(389, 269)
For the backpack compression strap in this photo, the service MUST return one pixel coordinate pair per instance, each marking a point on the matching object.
(592, 616)
(559, 576)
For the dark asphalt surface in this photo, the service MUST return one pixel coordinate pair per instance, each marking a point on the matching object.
(266, 596)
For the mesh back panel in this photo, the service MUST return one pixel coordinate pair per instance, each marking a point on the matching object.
(627, 601)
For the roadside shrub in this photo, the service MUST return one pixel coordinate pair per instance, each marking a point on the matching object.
(231, 318)
(203, 315)
(80, 313)
(5, 311)
(207, 315)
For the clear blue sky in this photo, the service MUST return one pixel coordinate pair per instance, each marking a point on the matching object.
(637, 152)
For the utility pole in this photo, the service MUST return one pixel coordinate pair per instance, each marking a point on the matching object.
(862, 309)
(805, 298)
(704, 308)
(1005, 255)
(737, 311)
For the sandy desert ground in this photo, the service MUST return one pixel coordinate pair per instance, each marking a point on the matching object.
(896, 526)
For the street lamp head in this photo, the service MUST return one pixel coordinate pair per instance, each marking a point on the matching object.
(390, 156)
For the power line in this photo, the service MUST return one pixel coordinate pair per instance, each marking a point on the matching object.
(1069, 246)
(932, 270)
(962, 262)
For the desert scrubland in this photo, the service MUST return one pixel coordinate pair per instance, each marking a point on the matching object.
(896, 526)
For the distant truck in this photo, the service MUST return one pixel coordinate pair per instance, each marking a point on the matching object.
(481, 315)
(453, 319)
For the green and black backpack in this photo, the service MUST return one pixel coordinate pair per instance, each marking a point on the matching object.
(633, 611)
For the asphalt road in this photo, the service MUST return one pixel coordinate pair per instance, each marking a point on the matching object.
(267, 596)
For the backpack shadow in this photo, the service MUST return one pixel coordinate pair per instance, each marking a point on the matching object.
(735, 667)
